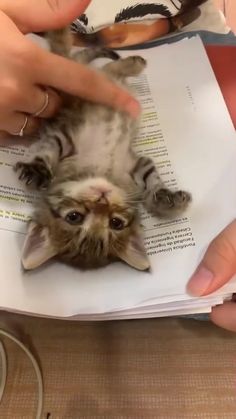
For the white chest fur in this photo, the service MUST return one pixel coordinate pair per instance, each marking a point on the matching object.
(104, 145)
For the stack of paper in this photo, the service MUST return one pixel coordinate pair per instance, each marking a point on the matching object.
(186, 128)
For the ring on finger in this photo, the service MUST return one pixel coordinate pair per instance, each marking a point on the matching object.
(21, 132)
(45, 105)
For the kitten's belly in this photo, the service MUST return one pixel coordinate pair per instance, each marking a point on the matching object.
(103, 147)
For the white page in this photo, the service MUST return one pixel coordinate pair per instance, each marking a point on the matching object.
(199, 138)
(113, 316)
(158, 311)
(172, 306)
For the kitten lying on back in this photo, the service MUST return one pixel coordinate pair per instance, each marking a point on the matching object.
(92, 181)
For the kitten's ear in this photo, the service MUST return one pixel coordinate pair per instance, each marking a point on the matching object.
(135, 253)
(37, 247)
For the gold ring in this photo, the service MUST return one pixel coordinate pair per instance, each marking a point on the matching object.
(45, 105)
(21, 132)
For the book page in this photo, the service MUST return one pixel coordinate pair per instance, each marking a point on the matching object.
(16, 202)
(161, 236)
(186, 128)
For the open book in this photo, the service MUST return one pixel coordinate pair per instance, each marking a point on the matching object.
(186, 128)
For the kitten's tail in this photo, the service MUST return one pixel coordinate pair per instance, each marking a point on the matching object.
(61, 41)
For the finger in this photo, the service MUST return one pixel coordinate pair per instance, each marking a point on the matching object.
(225, 316)
(84, 82)
(13, 124)
(218, 265)
(41, 103)
(7, 140)
(36, 16)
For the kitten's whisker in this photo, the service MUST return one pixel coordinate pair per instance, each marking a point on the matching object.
(135, 201)
(134, 195)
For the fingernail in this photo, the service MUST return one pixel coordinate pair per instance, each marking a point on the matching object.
(133, 108)
(200, 281)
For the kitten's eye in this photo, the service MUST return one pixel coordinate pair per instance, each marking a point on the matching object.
(75, 217)
(117, 223)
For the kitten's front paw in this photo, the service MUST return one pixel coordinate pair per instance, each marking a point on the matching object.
(166, 203)
(34, 173)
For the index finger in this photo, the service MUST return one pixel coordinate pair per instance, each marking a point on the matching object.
(80, 80)
(38, 16)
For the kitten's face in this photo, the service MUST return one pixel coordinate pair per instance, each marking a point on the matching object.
(87, 223)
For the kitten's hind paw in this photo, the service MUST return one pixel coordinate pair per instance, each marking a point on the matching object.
(126, 67)
(133, 65)
(35, 173)
(168, 204)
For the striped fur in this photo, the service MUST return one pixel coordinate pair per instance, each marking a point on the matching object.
(92, 181)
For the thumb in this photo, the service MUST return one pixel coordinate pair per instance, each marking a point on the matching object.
(42, 15)
(218, 265)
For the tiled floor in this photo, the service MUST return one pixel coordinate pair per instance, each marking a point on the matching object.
(229, 9)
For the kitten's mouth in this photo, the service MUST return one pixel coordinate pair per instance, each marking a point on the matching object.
(100, 191)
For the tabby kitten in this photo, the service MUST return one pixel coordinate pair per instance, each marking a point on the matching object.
(92, 182)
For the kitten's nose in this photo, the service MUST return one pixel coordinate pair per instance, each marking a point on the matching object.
(101, 194)
(102, 199)
(101, 205)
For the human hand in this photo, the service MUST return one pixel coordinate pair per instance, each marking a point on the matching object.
(218, 267)
(26, 69)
